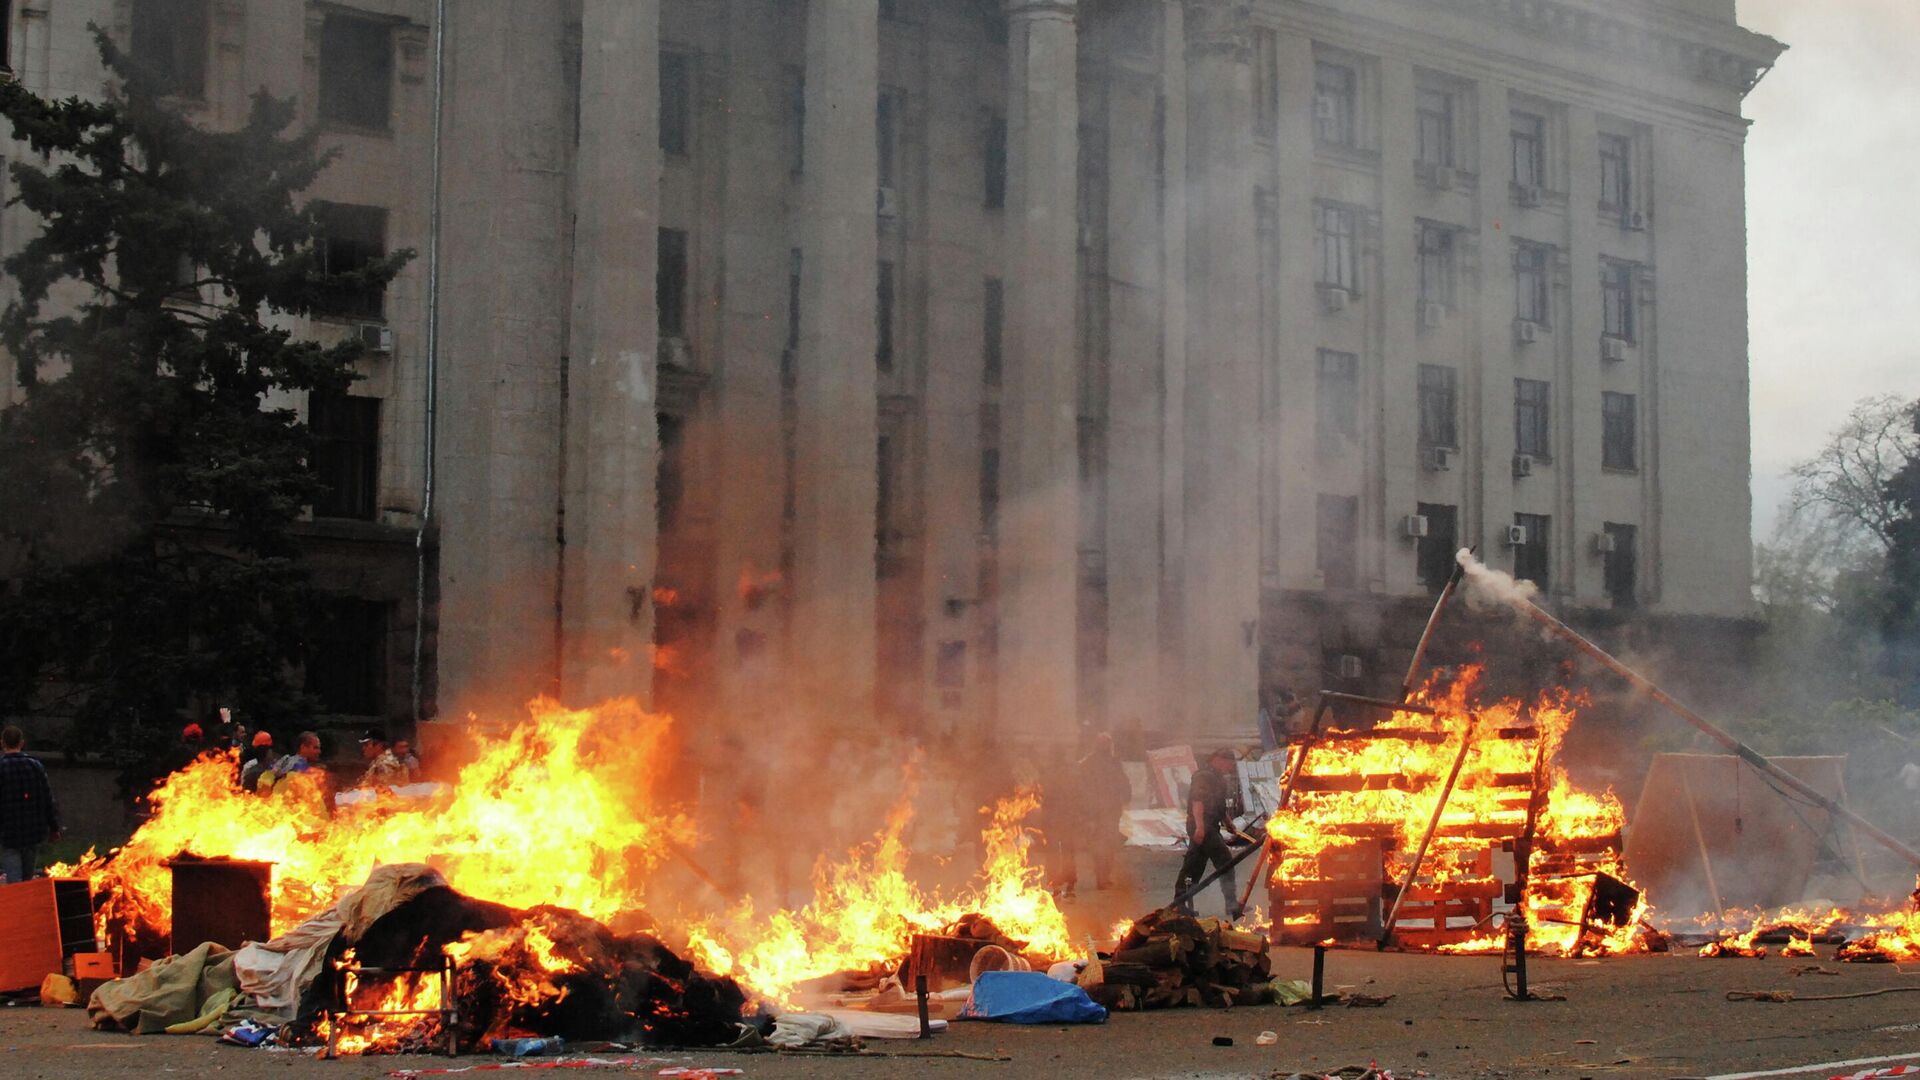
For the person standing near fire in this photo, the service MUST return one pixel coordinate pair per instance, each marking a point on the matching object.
(1105, 792)
(1208, 817)
(29, 816)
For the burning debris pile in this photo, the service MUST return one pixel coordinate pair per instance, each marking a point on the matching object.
(1168, 959)
(1425, 806)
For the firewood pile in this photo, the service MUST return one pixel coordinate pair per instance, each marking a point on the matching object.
(1169, 959)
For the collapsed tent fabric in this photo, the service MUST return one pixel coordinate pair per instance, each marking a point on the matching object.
(178, 991)
(1030, 997)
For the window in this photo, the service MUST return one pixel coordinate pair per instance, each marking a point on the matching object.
(1619, 435)
(883, 498)
(1530, 559)
(1338, 396)
(887, 118)
(347, 656)
(356, 72)
(996, 161)
(1531, 414)
(1616, 173)
(1616, 299)
(883, 316)
(1266, 82)
(1334, 245)
(797, 119)
(795, 263)
(346, 453)
(676, 103)
(1338, 537)
(1529, 150)
(950, 665)
(170, 42)
(1532, 298)
(670, 287)
(1335, 93)
(1439, 546)
(1434, 128)
(352, 238)
(1623, 570)
(1437, 406)
(993, 329)
(670, 475)
(1436, 264)
(989, 470)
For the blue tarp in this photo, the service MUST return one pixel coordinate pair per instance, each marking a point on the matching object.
(1029, 997)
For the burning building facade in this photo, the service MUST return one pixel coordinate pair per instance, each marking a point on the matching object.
(1016, 361)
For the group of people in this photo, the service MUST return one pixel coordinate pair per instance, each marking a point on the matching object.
(389, 766)
(1081, 802)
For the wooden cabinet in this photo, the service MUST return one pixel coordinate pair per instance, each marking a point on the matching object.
(42, 922)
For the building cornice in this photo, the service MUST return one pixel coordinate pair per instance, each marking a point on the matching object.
(1724, 54)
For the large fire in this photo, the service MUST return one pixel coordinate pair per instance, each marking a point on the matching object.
(565, 810)
(1362, 800)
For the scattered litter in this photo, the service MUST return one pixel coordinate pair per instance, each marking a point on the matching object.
(1815, 969)
(1878, 1074)
(247, 1033)
(1585, 1042)
(1781, 996)
(1266, 1038)
(1029, 997)
(1223, 1040)
(1367, 1001)
(564, 1063)
(520, 1048)
(698, 1073)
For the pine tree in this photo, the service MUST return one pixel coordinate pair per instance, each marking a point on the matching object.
(151, 477)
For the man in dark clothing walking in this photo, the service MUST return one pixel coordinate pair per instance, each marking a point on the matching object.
(1207, 815)
(1105, 792)
(28, 814)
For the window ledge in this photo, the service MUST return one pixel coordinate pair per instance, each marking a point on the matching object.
(1616, 470)
(342, 127)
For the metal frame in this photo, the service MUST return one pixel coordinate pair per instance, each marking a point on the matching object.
(339, 1008)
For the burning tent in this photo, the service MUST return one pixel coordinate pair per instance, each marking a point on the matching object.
(406, 962)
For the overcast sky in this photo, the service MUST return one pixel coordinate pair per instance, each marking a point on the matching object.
(1833, 213)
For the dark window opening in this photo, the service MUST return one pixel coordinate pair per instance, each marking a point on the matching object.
(794, 266)
(1335, 94)
(1438, 396)
(1529, 135)
(1619, 439)
(797, 119)
(670, 286)
(1336, 247)
(1438, 548)
(671, 475)
(996, 161)
(1530, 559)
(887, 118)
(1616, 300)
(346, 665)
(1266, 82)
(1436, 264)
(1337, 538)
(676, 103)
(169, 41)
(950, 665)
(1616, 173)
(1623, 582)
(1434, 128)
(885, 535)
(989, 471)
(356, 72)
(1532, 410)
(352, 239)
(883, 316)
(1338, 397)
(346, 453)
(1532, 284)
(993, 329)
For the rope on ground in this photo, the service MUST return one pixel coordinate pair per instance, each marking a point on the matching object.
(1788, 995)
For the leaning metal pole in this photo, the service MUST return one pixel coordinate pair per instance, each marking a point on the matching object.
(1426, 636)
(1739, 749)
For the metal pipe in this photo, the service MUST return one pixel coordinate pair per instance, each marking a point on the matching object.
(1433, 826)
(1319, 974)
(1426, 636)
(920, 993)
(1377, 703)
(432, 374)
(1735, 746)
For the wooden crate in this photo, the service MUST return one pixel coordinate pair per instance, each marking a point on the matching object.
(42, 922)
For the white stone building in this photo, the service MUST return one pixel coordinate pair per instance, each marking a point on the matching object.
(1028, 362)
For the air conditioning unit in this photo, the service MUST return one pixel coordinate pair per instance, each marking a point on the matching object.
(1634, 221)
(1526, 331)
(375, 337)
(1432, 315)
(1441, 178)
(1348, 666)
(1603, 543)
(888, 202)
(1526, 194)
(1613, 348)
(1522, 465)
(1334, 298)
(1438, 458)
(1416, 526)
(674, 353)
(1516, 536)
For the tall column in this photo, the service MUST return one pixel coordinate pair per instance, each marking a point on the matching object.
(836, 424)
(1039, 411)
(613, 436)
(502, 323)
(1222, 585)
